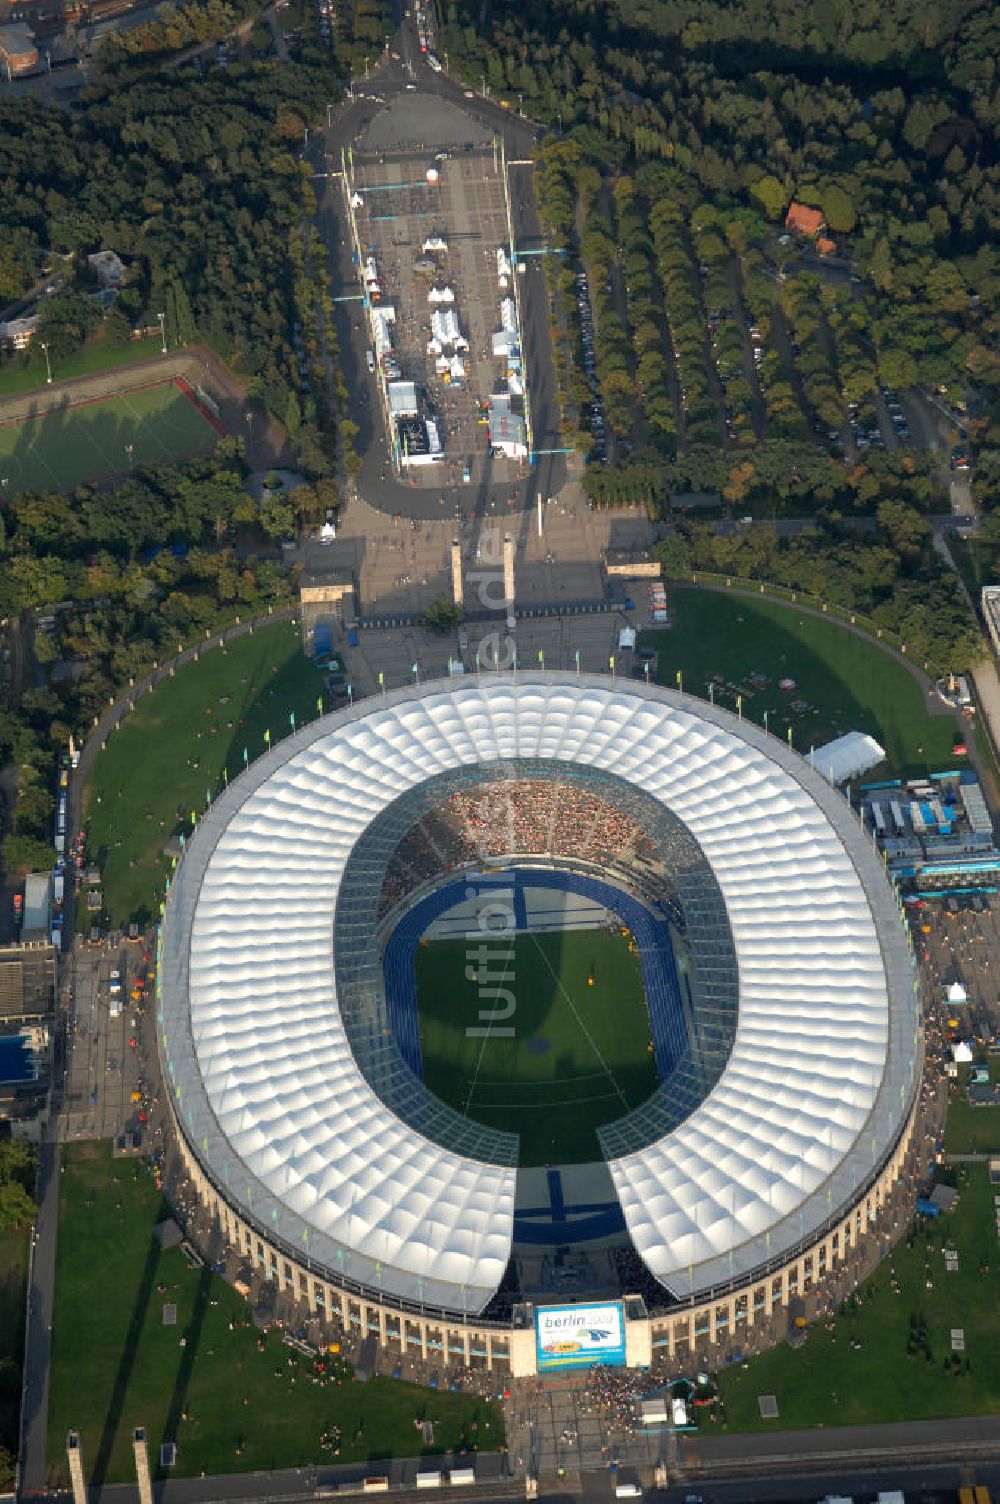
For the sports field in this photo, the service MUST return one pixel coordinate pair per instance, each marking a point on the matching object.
(94, 440)
(579, 1055)
(843, 681)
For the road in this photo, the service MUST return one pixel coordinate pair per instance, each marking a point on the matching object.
(391, 82)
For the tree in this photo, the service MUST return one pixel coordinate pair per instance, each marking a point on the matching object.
(277, 517)
(897, 368)
(771, 196)
(293, 416)
(839, 211)
(442, 615)
(26, 854)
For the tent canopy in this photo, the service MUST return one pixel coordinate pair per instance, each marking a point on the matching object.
(847, 756)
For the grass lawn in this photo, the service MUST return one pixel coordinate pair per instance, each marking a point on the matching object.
(972, 1130)
(579, 1056)
(847, 682)
(975, 560)
(232, 1402)
(829, 1382)
(26, 372)
(173, 747)
(13, 1275)
(969, 1129)
(78, 444)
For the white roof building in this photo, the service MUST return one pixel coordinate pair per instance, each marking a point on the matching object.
(402, 399)
(445, 330)
(274, 1103)
(382, 320)
(108, 267)
(17, 334)
(847, 757)
(508, 314)
(441, 295)
(508, 431)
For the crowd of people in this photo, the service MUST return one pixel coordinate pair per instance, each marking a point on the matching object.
(614, 1394)
(522, 816)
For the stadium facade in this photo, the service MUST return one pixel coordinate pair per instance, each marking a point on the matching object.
(334, 1172)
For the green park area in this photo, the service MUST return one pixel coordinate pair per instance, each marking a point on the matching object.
(888, 1356)
(171, 751)
(27, 372)
(575, 1055)
(13, 1274)
(972, 1127)
(843, 681)
(232, 1399)
(73, 445)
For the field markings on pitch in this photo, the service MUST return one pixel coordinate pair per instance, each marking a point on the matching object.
(486, 1036)
(590, 1038)
(142, 422)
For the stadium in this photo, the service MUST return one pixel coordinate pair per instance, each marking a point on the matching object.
(538, 1021)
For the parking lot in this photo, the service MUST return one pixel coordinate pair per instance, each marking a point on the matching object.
(461, 212)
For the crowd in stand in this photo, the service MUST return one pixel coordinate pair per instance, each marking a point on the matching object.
(523, 817)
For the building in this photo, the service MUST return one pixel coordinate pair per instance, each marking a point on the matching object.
(990, 602)
(17, 334)
(508, 431)
(108, 268)
(805, 221)
(18, 54)
(326, 595)
(391, 1212)
(37, 906)
(632, 564)
(27, 981)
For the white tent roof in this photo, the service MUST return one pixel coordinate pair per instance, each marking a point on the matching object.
(274, 1103)
(402, 398)
(847, 757)
(961, 1052)
(957, 993)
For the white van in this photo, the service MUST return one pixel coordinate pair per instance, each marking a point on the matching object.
(370, 358)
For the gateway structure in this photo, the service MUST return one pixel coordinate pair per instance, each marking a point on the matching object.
(335, 1171)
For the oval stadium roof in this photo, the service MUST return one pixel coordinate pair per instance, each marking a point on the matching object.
(271, 1098)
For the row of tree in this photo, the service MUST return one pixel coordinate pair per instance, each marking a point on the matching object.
(895, 577)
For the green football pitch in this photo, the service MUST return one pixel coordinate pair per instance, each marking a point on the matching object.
(74, 445)
(580, 1052)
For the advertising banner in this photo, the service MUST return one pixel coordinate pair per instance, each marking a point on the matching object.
(577, 1336)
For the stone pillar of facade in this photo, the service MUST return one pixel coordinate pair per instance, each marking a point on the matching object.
(508, 571)
(75, 1457)
(457, 581)
(141, 1455)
